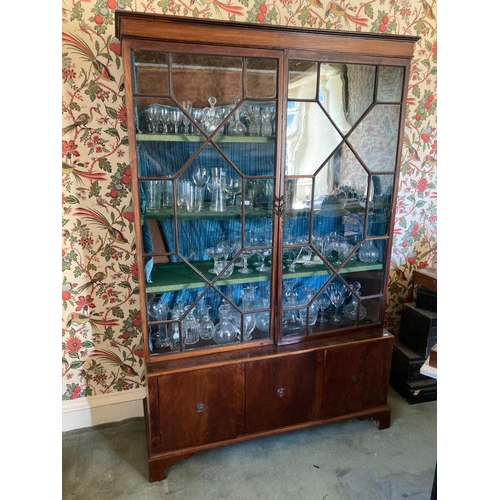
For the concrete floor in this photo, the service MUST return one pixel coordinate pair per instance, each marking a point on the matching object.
(349, 460)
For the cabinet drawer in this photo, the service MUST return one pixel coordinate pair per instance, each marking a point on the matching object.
(202, 406)
(280, 392)
(356, 377)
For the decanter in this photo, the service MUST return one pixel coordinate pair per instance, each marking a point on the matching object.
(267, 127)
(173, 332)
(262, 320)
(211, 121)
(247, 304)
(292, 323)
(368, 252)
(224, 330)
(190, 328)
(254, 127)
(206, 324)
(351, 310)
(309, 292)
(236, 126)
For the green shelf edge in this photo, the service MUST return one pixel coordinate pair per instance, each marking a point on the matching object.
(200, 138)
(174, 276)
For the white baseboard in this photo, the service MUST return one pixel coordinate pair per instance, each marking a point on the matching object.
(96, 410)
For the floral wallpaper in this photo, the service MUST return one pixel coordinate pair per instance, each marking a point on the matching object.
(102, 349)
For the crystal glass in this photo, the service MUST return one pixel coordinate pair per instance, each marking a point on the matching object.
(216, 253)
(368, 252)
(292, 323)
(309, 292)
(173, 332)
(206, 323)
(200, 179)
(233, 188)
(224, 330)
(262, 320)
(337, 298)
(323, 302)
(248, 303)
(354, 310)
(254, 113)
(188, 106)
(245, 255)
(218, 190)
(158, 311)
(190, 329)
(176, 119)
(236, 126)
(267, 126)
(210, 119)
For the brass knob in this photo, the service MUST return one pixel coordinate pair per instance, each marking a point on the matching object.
(200, 407)
(354, 379)
(280, 392)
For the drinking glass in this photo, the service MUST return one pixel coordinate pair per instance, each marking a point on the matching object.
(153, 196)
(188, 106)
(323, 302)
(200, 179)
(176, 118)
(246, 254)
(337, 298)
(233, 188)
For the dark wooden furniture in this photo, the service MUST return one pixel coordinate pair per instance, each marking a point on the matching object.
(319, 182)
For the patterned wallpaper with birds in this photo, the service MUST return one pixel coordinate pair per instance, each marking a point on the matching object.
(102, 351)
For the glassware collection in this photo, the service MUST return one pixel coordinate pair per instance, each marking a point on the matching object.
(303, 308)
(248, 119)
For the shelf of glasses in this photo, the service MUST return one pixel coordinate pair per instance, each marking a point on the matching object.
(201, 138)
(173, 276)
(206, 214)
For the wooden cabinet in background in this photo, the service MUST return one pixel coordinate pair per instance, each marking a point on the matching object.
(265, 164)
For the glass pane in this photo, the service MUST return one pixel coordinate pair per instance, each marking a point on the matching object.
(197, 77)
(380, 205)
(390, 84)
(310, 138)
(375, 139)
(331, 93)
(359, 90)
(261, 77)
(150, 72)
(302, 79)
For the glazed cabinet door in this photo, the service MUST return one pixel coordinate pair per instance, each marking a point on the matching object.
(280, 392)
(356, 377)
(200, 406)
(206, 165)
(343, 123)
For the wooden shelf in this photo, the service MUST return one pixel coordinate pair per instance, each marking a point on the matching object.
(201, 138)
(174, 276)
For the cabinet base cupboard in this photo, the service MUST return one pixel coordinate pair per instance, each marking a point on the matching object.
(265, 164)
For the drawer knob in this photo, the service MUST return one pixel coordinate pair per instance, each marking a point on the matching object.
(354, 379)
(280, 392)
(200, 407)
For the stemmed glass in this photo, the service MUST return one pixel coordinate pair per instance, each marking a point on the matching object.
(337, 297)
(200, 179)
(323, 302)
(262, 253)
(158, 310)
(246, 254)
(188, 106)
(233, 188)
(164, 119)
(216, 253)
(153, 116)
(176, 118)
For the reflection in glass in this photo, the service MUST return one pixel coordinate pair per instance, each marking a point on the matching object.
(261, 77)
(375, 139)
(150, 72)
(358, 91)
(302, 79)
(390, 84)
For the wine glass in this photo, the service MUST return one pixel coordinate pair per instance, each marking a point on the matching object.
(337, 297)
(176, 118)
(164, 120)
(323, 302)
(188, 106)
(158, 311)
(262, 253)
(246, 254)
(200, 179)
(233, 188)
